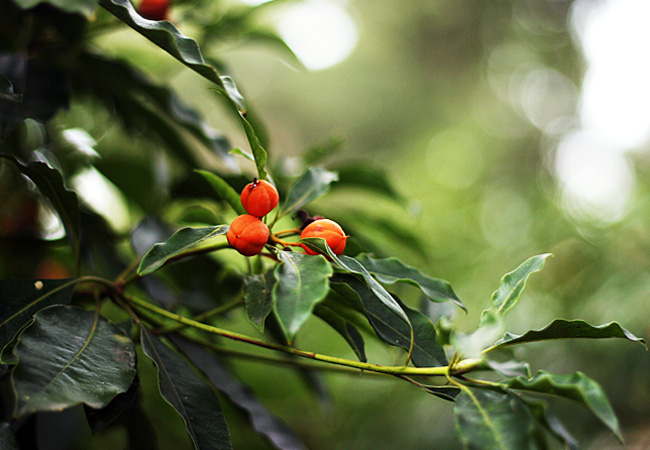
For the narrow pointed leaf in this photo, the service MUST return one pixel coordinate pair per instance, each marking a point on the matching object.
(51, 185)
(21, 299)
(394, 331)
(69, 356)
(448, 393)
(262, 420)
(489, 420)
(344, 328)
(391, 270)
(224, 190)
(259, 153)
(513, 283)
(258, 298)
(351, 265)
(231, 88)
(313, 184)
(576, 387)
(181, 241)
(302, 281)
(570, 329)
(192, 398)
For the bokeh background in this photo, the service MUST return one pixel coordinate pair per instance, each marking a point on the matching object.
(510, 128)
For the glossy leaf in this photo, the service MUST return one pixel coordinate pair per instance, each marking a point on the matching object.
(180, 242)
(51, 185)
(489, 420)
(21, 299)
(301, 281)
(344, 328)
(351, 265)
(258, 298)
(224, 190)
(262, 420)
(570, 329)
(313, 184)
(576, 387)
(230, 87)
(513, 283)
(391, 270)
(191, 397)
(69, 356)
(85, 7)
(391, 329)
(99, 419)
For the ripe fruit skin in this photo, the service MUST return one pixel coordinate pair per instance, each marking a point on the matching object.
(154, 9)
(259, 198)
(247, 235)
(328, 230)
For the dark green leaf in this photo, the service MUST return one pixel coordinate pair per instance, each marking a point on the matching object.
(489, 420)
(258, 298)
(351, 265)
(181, 241)
(85, 7)
(552, 424)
(391, 329)
(224, 190)
(50, 184)
(392, 270)
(448, 393)
(99, 419)
(368, 178)
(7, 437)
(576, 387)
(302, 281)
(259, 154)
(233, 93)
(344, 328)
(69, 356)
(513, 283)
(20, 299)
(570, 329)
(193, 399)
(313, 184)
(262, 420)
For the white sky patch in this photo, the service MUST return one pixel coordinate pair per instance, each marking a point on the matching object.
(591, 162)
(103, 197)
(320, 33)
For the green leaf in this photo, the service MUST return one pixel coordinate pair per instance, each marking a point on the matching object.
(69, 356)
(180, 242)
(550, 423)
(513, 283)
(301, 281)
(258, 298)
(192, 398)
(85, 7)
(7, 437)
(259, 154)
(344, 328)
(313, 184)
(262, 420)
(368, 178)
(489, 420)
(570, 329)
(99, 419)
(448, 393)
(20, 299)
(576, 387)
(351, 265)
(234, 94)
(390, 328)
(391, 270)
(224, 190)
(51, 185)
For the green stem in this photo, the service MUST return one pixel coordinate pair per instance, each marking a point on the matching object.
(461, 367)
(201, 317)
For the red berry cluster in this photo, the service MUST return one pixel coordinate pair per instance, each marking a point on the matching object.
(248, 234)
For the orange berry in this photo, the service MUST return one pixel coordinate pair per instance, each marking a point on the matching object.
(259, 198)
(328, 230)
(247, 235)
(154, 9)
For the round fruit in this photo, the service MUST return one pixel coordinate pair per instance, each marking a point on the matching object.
(247, 235)
(154, 9)
(328, 230)
(259, 198)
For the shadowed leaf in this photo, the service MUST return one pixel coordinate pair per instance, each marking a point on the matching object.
(344, 328)
(313, 184)
(258, 298)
